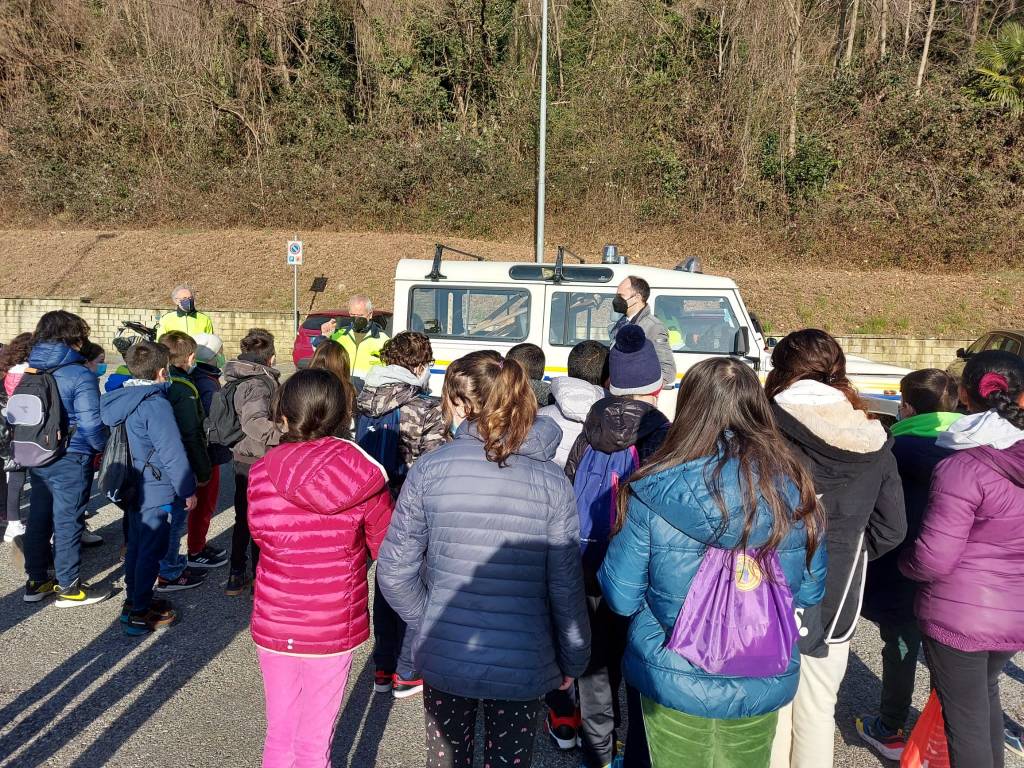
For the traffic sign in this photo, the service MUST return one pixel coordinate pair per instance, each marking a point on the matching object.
(294, 253)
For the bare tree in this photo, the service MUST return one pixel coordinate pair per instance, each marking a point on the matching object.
(794, 13)
(927, 45)
(851, 32)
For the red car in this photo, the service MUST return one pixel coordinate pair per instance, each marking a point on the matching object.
(302, 352)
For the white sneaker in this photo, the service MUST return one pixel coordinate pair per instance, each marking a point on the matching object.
(14, 528)
(90, 539)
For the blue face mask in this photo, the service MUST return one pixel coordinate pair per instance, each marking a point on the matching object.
(101, 370)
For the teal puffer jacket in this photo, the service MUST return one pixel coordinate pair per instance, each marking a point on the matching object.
(673, 517)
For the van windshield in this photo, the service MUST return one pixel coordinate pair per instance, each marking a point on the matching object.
(701, 324)
(457, 312)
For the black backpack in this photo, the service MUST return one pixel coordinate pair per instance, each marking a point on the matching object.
(118, 478)
(222, 426)
(36, 419)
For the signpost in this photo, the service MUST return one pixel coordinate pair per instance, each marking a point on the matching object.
(295, 261)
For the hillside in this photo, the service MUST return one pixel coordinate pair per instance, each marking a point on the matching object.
(845, 132)
(245, 269)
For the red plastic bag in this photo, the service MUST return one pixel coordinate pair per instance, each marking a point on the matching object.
(926, 747)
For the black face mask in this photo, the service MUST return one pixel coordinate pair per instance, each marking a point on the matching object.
(620, 305)
(188, 306)
(360, 324)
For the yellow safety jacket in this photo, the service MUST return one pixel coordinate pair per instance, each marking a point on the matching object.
(179, 321)
(365, 355)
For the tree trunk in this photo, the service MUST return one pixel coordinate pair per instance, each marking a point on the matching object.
(972, 37)
(927, 45)
(851, 33)
(721, 41)
(794, 9)
(883, 35)
(906, 27)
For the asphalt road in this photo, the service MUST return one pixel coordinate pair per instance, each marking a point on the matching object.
(74, 691)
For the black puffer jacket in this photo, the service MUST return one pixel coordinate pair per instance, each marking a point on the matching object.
(889, 596)
(855, 476)
(615, 423)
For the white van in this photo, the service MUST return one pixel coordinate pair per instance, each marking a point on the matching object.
(463, 306)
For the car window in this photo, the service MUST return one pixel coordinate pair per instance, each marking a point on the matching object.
(704, 324)
(580, 316)
(1004, 343)
(979, 345)
(460, 312)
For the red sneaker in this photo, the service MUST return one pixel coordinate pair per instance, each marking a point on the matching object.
(403, 689)
(382, 681)
(562, 729)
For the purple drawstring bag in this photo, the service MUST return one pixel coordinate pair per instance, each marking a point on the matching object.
(737, 620)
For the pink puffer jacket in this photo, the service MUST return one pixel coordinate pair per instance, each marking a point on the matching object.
(314, 509)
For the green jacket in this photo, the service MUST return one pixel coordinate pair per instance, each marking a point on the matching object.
(189, 414)
(177, 320)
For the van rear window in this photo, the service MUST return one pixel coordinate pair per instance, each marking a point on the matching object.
(464, 312)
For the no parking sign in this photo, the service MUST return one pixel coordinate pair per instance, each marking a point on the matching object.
(294, 253)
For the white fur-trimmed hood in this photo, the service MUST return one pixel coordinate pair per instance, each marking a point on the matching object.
(827, 414)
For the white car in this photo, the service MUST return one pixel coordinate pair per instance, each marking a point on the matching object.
(465, 306)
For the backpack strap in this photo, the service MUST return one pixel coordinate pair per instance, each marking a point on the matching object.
(187, 383)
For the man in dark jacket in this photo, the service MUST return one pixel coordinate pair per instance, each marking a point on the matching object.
(60, 490)
(257, 384)
(167, 481)
(631, 302)
(175, 575)
(628, 420)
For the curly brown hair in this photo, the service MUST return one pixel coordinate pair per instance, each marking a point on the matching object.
(15, 353)
(408, 349)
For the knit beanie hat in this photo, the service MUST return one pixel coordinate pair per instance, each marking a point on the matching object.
(633, 367)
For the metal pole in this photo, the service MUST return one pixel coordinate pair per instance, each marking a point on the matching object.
(542, 131)
(295, 294)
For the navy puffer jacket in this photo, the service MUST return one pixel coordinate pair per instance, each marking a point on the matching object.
(79, 393)
(672, 519)
(484, 561)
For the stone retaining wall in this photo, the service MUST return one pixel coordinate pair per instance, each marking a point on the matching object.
(18, 315)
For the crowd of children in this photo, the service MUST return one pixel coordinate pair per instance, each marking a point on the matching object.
(558, 543)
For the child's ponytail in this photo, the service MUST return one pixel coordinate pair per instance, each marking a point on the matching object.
(994, 380)
(495, 393)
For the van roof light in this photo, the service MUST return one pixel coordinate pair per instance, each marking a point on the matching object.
(610, 255)
(692, 264)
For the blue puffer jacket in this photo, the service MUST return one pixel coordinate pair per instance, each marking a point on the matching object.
(154, 439)
(647, 574)
(486, 561)
(79, 392)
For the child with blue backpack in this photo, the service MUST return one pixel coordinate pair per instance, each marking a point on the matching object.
(162, 475)
(620, 433)
(719, 541)
(397, 422)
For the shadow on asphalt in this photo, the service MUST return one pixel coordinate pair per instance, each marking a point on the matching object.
(166, 664)
(363, 708)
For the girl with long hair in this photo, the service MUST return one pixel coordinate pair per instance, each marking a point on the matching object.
(489, 522)
(850, 458)
(723, 484)
(316, 504)
(969, 558)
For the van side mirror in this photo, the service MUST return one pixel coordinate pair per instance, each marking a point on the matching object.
(741, 342)
(961, 353)
(771, 342)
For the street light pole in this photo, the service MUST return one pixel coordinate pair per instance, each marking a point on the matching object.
(542, 131)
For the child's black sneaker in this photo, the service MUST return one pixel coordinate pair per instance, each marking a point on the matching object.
(189, 579)
(38, 590)
(208, 558)
(160, 614)
(236, 583)
(403, 689)
(79, 594)
(562, 730)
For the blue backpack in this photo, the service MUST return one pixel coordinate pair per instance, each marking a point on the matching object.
(381, 437)
(597, 487)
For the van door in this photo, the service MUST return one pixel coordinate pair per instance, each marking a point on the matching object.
(702, 323)
(575, 313)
